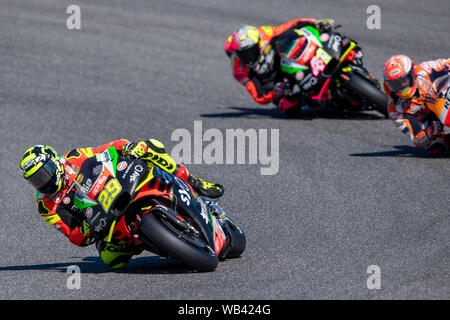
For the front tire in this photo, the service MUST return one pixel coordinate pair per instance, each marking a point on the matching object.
(169, 241)
(368, 92)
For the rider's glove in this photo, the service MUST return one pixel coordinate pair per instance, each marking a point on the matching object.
(127, 147)
(325, 25)
(135, 150)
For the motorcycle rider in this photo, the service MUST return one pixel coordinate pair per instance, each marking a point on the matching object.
(47, 172)
(408, 87)
(256, 64)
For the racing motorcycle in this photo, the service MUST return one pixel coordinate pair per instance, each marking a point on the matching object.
(126, 200)
(439, 103)
(326, 69)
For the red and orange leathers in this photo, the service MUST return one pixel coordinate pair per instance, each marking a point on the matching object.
(58, 209)
(411, 115)
(260, 79)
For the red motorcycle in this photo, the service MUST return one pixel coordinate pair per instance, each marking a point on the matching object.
(326, 69)
(124, 199)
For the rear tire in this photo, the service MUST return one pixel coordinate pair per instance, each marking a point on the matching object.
(368, 92)
(153, 230)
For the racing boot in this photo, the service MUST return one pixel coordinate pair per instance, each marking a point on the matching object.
(206, 189)
(116, 255)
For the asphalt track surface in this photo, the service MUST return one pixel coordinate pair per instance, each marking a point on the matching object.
(350, 192)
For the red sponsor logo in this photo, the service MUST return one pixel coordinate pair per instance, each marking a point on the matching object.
(99, 185)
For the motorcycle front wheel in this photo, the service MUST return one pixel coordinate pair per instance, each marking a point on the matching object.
(368, 92)
(177, 244)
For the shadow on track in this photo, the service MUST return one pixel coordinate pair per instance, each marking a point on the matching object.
(401, 151)
(143, 265)
(306, 114)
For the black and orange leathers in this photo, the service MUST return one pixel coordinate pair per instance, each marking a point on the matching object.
(260, 83)
(59, 210)
(412, 116)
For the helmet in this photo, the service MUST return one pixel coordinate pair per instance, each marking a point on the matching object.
(245, 44)
(41, 167)
(400, 76)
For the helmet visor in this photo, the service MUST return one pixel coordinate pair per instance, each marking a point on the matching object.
(45, 178)
(401, 84)
(248, 55)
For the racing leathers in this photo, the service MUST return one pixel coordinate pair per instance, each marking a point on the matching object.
(263, 79)
(59, 209)
(412, 116)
